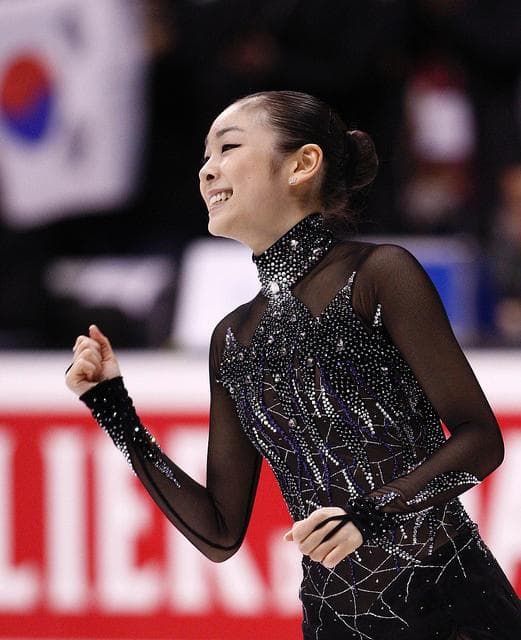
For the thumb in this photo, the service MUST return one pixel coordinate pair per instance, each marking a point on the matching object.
(103, 341)
(288, 536)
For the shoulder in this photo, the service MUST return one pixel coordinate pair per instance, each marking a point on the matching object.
(386, 262)
(373, 261)
(358, 253)
(382, 272)
(218, 339)
(392, 276)
(231, 319)
(386, 254)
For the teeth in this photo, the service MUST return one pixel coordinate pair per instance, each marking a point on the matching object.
(220, 197)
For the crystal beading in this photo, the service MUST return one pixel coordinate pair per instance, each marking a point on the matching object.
(114, 411)
(338, 414)
(329, 404)
(283, 264)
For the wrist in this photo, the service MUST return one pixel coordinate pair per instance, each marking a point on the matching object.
(366, 513)
(114, 385)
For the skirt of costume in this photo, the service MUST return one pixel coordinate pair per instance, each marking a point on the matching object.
(478, 603)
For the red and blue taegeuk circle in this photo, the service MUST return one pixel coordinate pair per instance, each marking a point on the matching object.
(27, 97)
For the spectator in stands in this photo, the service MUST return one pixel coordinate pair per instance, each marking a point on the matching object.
(484, 38)
(506, 256)
(440, 140)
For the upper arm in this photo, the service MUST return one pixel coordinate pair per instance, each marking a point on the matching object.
(415, 320)
(233, 464)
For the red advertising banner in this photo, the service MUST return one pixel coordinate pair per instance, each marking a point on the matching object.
(85, 553)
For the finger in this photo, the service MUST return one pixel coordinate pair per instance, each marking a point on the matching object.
(82, 340)
(289, 535)
(336, 555)
(341, 551)
(84, 370)
(318, 537)
(319, 553)
(102, 340)
(342, 534)
(87, 344)
(77, 342)
(340, 522)
(90, 370)
(91, 354)
(300, 531)
(335, 550)
(345, 545)
(316, 523)
(305, 527)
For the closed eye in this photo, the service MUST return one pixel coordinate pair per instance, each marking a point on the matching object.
(225, 147)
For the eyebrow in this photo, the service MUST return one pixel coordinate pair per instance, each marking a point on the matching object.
(221, 133)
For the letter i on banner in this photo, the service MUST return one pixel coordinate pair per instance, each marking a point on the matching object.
(19, 585)
(124, 513)
(66, 539)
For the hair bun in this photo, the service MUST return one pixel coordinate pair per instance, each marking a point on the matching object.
(360, 159)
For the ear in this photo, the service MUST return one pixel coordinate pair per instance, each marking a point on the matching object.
(306, 164)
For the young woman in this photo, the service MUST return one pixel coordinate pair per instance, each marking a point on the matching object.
(338, 373)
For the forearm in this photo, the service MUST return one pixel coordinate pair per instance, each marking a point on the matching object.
(216, 528)
(467, 457)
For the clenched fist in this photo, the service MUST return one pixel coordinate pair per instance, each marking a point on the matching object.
(93, 362)
(324, 538)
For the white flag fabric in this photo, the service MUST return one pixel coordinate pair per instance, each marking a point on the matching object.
(71, 106)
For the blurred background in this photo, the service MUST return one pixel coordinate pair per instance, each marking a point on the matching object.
(104, 106)
(103, 110)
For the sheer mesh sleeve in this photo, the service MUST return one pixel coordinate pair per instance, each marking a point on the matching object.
(416, 322)
(214, 518)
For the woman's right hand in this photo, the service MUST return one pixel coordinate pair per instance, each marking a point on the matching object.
(93, 362)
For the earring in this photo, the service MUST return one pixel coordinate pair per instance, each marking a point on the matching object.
(292, 180)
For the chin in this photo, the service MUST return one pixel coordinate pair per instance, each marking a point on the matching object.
(218, 228)
(229, 223)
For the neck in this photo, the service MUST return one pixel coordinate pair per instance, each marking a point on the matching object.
(288, 259)
(278, 228)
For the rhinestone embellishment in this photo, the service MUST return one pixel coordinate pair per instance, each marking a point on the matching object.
(293, 255)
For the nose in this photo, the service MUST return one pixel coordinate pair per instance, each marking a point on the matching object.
(208, 171)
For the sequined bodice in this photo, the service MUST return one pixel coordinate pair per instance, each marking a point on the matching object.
(325, 400)
(328, 401)
(336, 411)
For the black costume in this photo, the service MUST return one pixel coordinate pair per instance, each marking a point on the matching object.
(338, 373)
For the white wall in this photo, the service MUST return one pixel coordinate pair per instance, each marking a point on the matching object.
(165, 380)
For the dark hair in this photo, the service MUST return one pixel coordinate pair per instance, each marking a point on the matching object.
(350, 160)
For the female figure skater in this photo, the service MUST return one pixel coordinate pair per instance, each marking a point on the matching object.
(338, 373)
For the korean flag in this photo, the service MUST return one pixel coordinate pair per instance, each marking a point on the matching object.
(71, 106)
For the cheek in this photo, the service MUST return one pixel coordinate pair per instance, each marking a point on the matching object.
(255, 168)
(259, 178)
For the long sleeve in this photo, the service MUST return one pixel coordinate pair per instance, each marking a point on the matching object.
(213, 517)
(392, 281)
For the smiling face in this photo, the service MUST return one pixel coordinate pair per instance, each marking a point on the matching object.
(244, 182)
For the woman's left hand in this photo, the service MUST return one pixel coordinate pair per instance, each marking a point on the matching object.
(309, 539)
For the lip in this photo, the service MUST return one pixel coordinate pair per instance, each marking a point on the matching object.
(212, 192)
(214, 208)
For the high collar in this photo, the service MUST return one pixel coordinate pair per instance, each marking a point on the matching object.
(293, 254)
